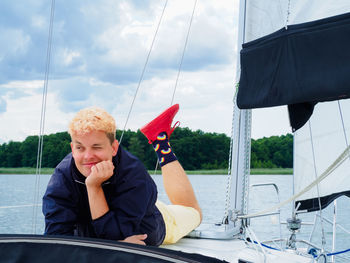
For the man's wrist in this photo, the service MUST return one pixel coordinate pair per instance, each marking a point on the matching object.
(93, 187)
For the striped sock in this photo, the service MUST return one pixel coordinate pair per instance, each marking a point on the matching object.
(163, 150)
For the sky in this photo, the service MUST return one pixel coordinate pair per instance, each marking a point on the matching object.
(99, 49)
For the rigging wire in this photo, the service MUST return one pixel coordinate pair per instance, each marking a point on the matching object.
(335, 201)
(42, 119)
(180, 67)
(183, 51)
(317, 187)
(143, 71)
(146, 63)
(343, 125)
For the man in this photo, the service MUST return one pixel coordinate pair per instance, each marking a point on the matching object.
(100, 190)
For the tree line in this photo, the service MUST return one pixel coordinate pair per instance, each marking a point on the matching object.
(194, 149)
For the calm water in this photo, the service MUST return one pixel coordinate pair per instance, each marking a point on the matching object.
(16, 214)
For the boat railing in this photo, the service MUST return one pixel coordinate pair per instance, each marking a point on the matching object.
(278, 200)
(330, 222)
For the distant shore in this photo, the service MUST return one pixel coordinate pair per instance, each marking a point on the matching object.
(254, 171)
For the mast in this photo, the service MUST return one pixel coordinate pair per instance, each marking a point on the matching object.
(240, 162)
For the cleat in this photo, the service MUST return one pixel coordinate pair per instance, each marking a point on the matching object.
(161, 124)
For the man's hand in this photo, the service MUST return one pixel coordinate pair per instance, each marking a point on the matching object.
(97, 201)
(136, 239)
(100, 172)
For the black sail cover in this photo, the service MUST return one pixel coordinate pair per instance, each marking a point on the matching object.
(299, 66)
(57, 249)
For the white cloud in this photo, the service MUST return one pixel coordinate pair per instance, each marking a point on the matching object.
(69, 56)
(98, 51)
(24, 85)
(3, 105)
(270, 121)
(22, 118)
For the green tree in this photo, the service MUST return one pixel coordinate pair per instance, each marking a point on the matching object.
(194, 149)
(29, 148)
(13, 154)
(135, 147)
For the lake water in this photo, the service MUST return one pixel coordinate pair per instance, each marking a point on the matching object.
(16, 210)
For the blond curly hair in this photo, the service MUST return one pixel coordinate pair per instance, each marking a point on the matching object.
(93, 119)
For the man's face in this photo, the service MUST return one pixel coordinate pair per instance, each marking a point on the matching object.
(91, 148)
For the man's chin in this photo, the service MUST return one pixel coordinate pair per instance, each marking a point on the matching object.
(85, 171)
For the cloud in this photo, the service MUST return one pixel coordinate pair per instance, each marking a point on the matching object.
(17, 43)
(3, 105)
(72, 94)
(19, 89)
(99, 50)
(24, 29)
(22, 117)
(110, 40)
(210, 41)
(115, 47)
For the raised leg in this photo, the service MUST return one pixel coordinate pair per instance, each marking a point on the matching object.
(176, 183)
(178, 187)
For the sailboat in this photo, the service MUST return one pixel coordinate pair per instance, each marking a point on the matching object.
(280, 39)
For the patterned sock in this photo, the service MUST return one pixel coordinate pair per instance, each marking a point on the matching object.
(163, 150)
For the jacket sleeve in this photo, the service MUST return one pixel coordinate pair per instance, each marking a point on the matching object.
(126, 210)
(59, 206)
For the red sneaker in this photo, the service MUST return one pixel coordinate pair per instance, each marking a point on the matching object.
(161, 124)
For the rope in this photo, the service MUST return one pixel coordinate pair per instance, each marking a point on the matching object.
(344, 155)
(229, 176)
(251, 233)
(42, 118)
(339, 252)
(328, 254)
(288, 13)
(247, 150)
(143, 71)
(264, 245)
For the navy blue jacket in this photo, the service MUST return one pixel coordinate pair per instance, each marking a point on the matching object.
(130, 193)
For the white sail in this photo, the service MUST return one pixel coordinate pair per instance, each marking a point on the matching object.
(319, 142)
(265, 17)
(317, 145)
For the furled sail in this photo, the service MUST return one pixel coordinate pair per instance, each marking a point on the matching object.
(298, 66)
(307, 63)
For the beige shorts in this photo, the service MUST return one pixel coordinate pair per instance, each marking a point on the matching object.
(179, 221)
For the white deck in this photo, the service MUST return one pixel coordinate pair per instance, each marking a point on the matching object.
(235, 249)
